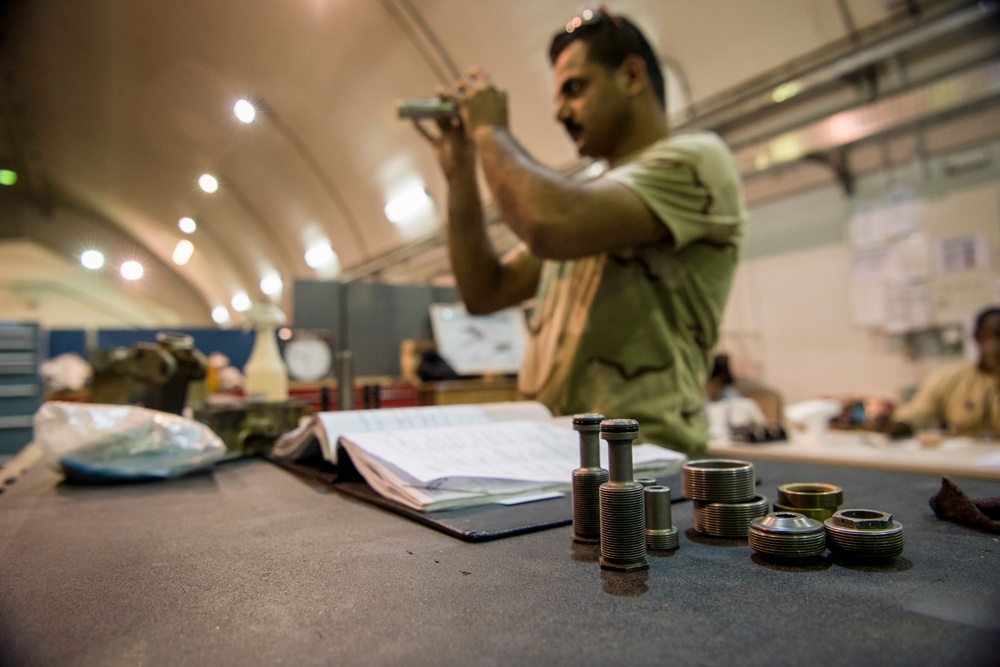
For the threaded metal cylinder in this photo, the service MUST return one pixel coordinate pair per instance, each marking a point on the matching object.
(661, 533)
(623, 527)
(587, 504)
(728, 519)
(864, 534)
(786, 535)
(718, 480)
(587, 479)
(622, 505)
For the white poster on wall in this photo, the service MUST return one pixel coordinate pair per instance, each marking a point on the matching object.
(963, 254)
(869, 297)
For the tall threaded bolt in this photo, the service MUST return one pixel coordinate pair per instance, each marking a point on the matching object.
(623, 516)
(587, 480)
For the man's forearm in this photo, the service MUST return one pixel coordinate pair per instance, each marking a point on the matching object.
(475, 264)
(528, 194)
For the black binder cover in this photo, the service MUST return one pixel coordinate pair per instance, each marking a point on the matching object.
(471, 524)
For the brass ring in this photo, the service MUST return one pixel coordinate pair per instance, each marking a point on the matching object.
(810, 495)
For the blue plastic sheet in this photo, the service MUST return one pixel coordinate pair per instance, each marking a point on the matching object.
(116, 443)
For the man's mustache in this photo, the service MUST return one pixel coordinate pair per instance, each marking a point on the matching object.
(572, 127)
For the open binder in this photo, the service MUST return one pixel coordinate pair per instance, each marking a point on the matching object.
(317, 452)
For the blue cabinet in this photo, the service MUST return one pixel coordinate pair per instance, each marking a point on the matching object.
(20, 384)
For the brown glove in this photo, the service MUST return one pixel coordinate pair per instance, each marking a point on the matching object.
(953, 504)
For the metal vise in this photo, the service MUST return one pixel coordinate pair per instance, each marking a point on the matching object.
(153, 375)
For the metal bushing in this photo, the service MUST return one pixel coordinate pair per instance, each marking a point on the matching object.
(787, 535)
(864, 533)
(661, 533)
(728, 519)
(821, 514)
(810, 495)
(718, 480)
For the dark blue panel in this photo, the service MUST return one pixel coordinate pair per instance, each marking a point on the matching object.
(63, 341)
(234, 343)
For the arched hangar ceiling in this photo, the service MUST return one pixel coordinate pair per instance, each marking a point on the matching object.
(112, 109)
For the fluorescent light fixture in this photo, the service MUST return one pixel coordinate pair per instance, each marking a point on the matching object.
(245, 111)
(183, 251)
(208, 183)
(220, 314)
(785, 91)
(8, 177)
(271, 284)
(409, 203)
(131, 270)
(241, 302)
(187, 225)
(92, 259)
(319, 254)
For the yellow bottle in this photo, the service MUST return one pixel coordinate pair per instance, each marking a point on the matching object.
(267, 376)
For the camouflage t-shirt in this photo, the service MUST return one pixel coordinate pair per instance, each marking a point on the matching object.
(629, 333)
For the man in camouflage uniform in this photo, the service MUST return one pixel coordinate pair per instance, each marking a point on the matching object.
(630, 271)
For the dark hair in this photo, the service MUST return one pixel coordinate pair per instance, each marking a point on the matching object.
(720, 369)
(981, 318)
(610, 39)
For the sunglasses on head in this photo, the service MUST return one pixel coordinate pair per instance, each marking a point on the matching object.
(592, 15)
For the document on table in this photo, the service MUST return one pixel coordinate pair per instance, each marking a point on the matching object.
(481, 463)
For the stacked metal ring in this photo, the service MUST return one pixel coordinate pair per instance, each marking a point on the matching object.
(718, 480)
(862, 533)
(728, 519)
(787, 535)
(813, 499)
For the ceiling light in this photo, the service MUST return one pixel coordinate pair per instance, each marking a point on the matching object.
(319, 254)
(241, 302)
(187, 225)
(92, 259)
(406, 205)
(271, 284)
(183, 251)
(220, 314)
(208, 183)
(245, 111)
(131, 270)
(8, 177)
(785, 91)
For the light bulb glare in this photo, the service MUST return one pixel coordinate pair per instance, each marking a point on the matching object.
(92, 259)
(208, 183)
(131, 270)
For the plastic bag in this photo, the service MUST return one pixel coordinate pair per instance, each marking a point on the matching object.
(102, 443)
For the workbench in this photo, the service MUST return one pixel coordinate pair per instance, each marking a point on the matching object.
(251, 565)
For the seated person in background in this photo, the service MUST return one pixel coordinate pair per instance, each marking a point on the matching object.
(731, 415)
(963, 399)
(720, 382)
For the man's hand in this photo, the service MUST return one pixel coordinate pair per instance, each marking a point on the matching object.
(455, 151)
(884, 423)
(481, 103)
